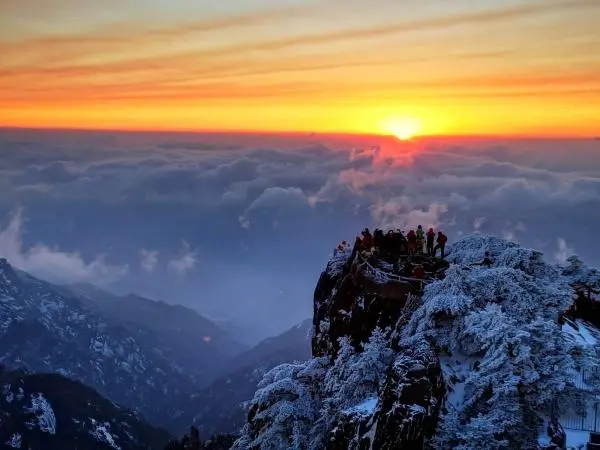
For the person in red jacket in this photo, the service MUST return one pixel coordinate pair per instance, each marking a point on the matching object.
(430, 240)
(441, 244)
(419, 272)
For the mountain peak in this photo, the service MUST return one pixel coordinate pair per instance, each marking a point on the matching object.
(466, 349)
(8, 278)
(5, 265)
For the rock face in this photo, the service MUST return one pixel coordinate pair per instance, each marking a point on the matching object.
(49, 411)
(374, 393)
(411, 400)
(475, 358)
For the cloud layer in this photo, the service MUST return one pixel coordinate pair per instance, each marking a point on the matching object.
(240, 226)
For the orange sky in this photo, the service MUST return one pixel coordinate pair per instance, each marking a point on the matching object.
(428, 66)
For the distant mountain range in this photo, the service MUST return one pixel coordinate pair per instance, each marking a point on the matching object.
(220, 408)
(184, 336)
(139, 353)
(173, 366)
(49, 411)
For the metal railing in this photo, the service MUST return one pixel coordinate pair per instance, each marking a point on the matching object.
(588, 416)
(586, 421)
(381, 276)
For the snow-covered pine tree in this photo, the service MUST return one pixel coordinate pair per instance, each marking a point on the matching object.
(503, 323)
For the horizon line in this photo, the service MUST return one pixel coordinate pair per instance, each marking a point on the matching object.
(303, 133)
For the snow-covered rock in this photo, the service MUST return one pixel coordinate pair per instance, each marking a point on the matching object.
(479, 359)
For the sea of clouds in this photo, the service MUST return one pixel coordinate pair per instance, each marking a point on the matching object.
(240, 226)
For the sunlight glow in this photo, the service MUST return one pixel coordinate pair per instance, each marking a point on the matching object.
(403, 128)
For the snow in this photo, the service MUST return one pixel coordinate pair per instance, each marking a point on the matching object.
(456, 371)
(577, 439)
(587, 334)
(14, 441)
(543, 438)
(101, 432)
(582, 336)
(337, 261)
(366, 407)
(46, 421)
(8, 395)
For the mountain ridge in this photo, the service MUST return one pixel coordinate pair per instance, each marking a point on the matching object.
(44, 329)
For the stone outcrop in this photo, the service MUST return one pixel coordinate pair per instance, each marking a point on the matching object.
(358, 296)
(411, 400)
(398, 366)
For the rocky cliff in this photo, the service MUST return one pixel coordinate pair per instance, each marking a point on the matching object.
(473, 356)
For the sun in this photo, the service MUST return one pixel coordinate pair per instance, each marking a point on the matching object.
(403, 128)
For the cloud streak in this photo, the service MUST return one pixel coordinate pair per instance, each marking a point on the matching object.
(148, 260)
(185, 262)
(51, 263)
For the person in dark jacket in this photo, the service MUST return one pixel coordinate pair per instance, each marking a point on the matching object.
(378, 238)
(411, 237)
(402, 244)
(441, 244)
(420, 239)
(430, 241)
(367, 239)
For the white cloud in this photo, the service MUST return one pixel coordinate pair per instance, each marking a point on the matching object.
(148, 260)
(398, 212)
(478, 222)
(244, 222)
(53, 264)
(564, 251)
(509, 235)
(185, 262)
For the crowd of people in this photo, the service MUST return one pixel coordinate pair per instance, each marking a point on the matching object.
(407, 252)
(394, 242)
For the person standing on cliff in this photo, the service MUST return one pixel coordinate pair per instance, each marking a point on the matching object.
(411, 237)
(420, 239)
(441, 244)
(430, 240)
(367, 239)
